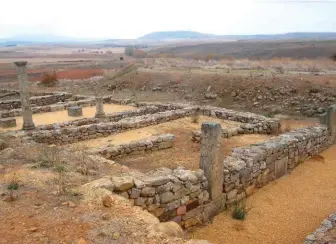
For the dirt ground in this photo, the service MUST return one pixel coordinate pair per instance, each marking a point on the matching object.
(62, 116)
(285, 211)
(184, 152)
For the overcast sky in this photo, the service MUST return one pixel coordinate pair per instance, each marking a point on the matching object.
(134, 18)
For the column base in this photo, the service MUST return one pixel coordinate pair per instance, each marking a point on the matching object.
(28, 127)
(100, 116)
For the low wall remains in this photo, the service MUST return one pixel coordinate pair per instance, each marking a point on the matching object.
(178, 195)
(113, 117)
(326, 225)
(253, 122)
(92, 131)
(137, 147)
(230, 132)
(36, 101)
(257, 164)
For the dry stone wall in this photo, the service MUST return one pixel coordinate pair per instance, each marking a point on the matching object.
(178, 195)
(230, 132)
(318, 236)
(257, 164)
(137, 147)
(36, 101)
(114, 117)
(92, 131)
(253, 123)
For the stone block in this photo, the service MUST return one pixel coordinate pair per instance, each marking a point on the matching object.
(281, 167)
(75, 111)
(8, 122)
(181, 210)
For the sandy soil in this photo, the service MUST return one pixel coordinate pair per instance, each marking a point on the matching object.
(62, 116)
(284, 211)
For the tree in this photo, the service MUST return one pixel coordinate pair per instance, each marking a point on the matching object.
(129, 51)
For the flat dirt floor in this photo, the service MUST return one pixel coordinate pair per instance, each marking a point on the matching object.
(183, 153)
(62, 116)
(284, 211)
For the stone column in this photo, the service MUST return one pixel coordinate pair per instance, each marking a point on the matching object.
(99, 108)
(331, 119)
(27, 114)
(210, 163)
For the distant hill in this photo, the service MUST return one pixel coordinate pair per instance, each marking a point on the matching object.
(164, 35)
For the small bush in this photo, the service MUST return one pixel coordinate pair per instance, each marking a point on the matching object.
(240, 211)
(121, 58)
(49, 79)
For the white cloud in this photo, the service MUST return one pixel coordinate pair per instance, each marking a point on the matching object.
(133, 18)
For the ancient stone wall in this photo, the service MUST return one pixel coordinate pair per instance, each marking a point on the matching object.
(92, 131)
(230, 132)
(179, 195)
(253, 122)
(257, 164)
(36, 101)
(318, 236)
(137, 147)
(114, 117)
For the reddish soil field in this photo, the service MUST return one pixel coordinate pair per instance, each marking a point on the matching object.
(37, 74)
(79, 73)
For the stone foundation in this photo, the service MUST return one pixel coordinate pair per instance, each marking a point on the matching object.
(137, 147)
(92, 131)
(8, 122)
(36, 101)
(326, 225)
(255, 165)
(178, 195)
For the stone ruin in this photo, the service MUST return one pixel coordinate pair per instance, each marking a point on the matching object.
(188, 197)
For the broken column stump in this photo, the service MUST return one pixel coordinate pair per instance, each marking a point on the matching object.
(99, 108)
(7, 122)
(75, 111)
(210, 163)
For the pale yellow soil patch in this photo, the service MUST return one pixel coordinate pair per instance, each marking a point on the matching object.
(285, 211)
(62, 116)
(146, 132)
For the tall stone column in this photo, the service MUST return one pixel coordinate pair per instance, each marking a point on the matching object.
(331, 119)
(99, 108)
(27, 114)
(210, 163)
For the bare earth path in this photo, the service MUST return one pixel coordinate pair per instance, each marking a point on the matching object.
(284, 211)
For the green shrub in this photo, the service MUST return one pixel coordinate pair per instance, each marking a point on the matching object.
(129, 51)
(240, 211)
